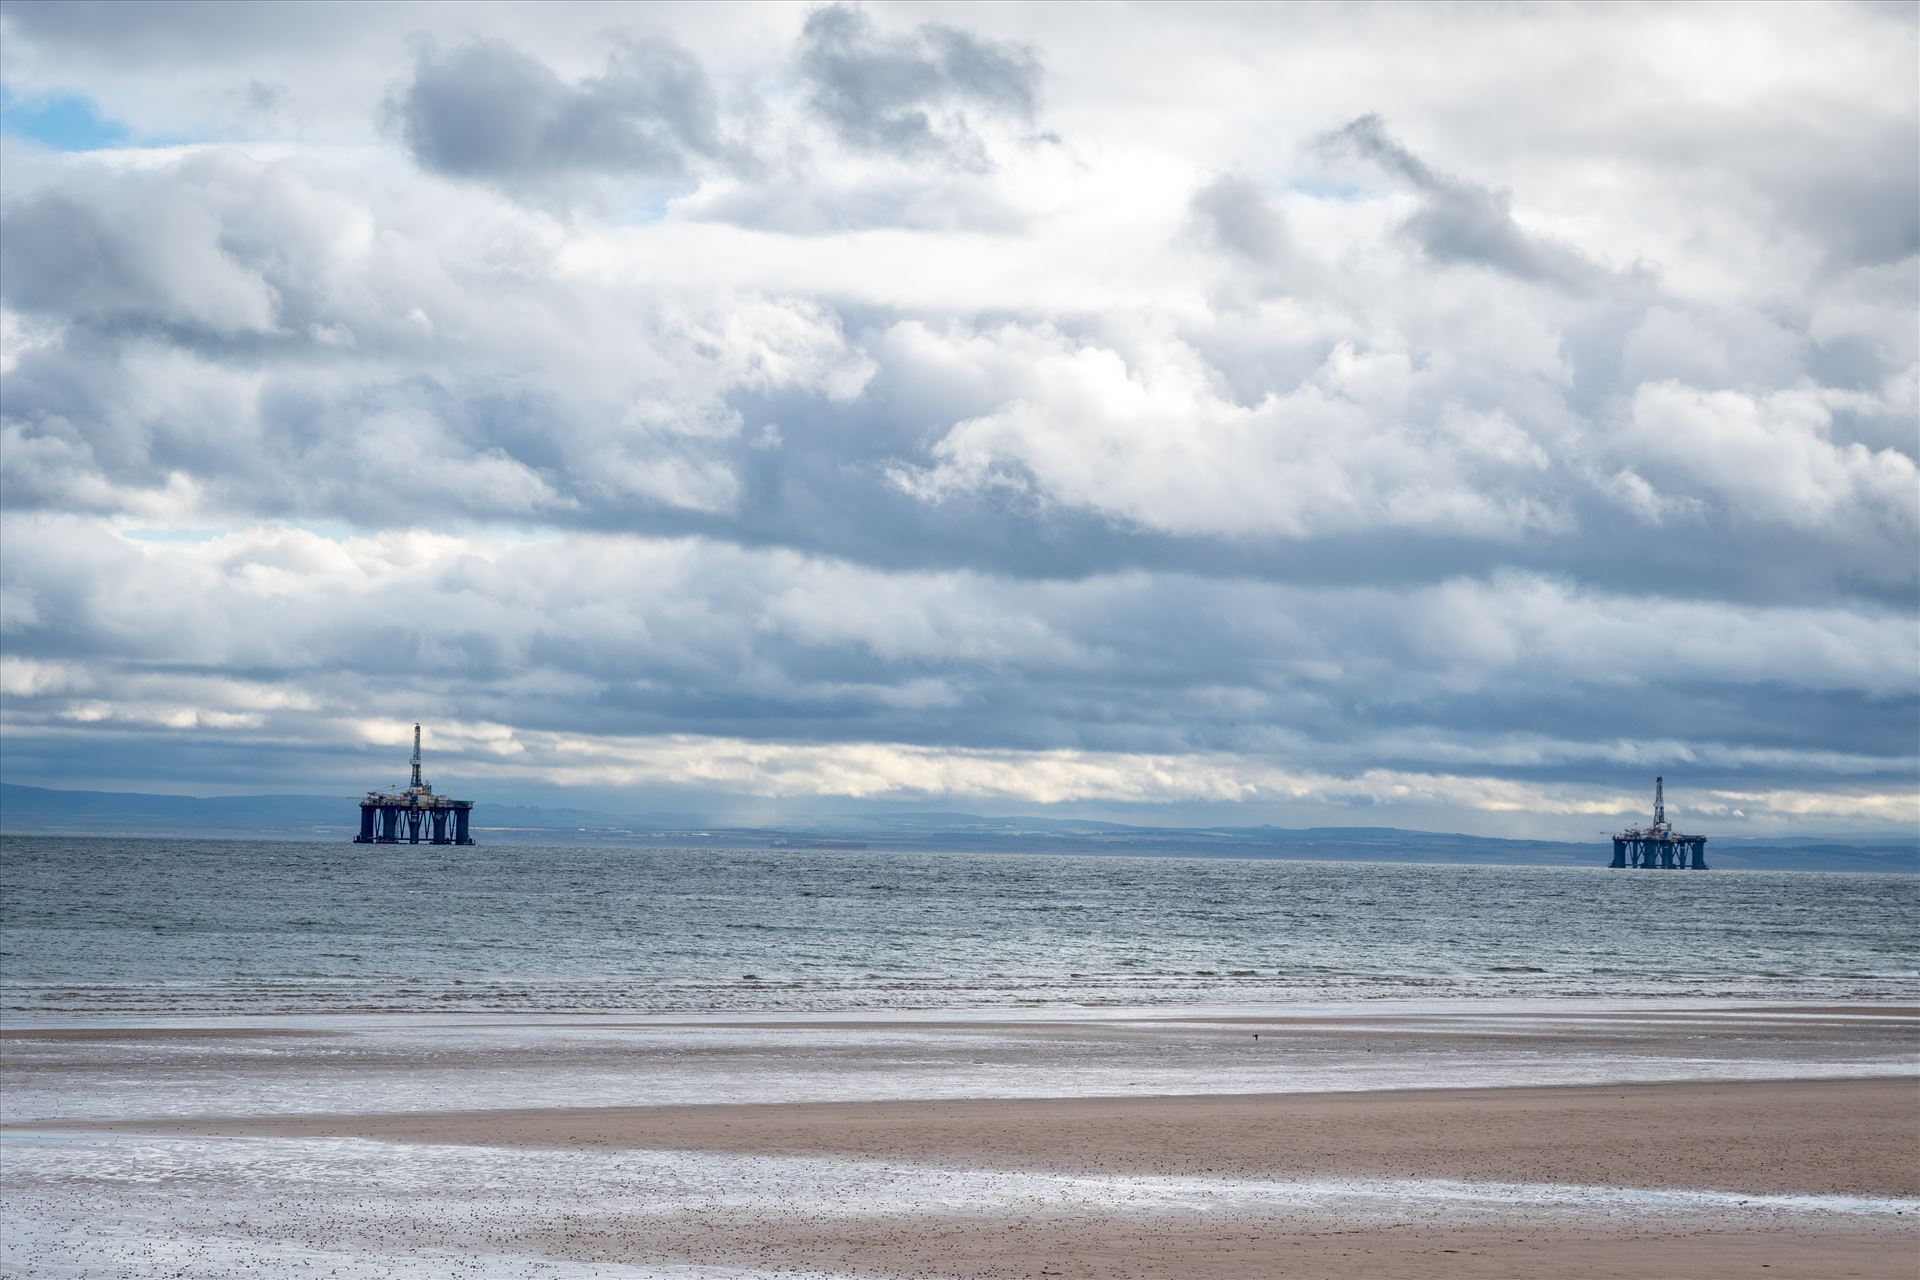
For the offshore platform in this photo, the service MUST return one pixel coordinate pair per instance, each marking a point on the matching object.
(1659, 845)
(403, 816)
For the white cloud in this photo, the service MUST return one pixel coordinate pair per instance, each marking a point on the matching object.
(1159, 442)
(1771, 457)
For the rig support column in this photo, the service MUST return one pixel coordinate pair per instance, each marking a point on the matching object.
(1619, 853)
(460, 835)
(1699, 855)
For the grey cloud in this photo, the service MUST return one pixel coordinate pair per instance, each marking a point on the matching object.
(908, 95)
(1255, 258)
(1462, 222)
(89, 252)
(1847, 184)
(1862, 207)
(1239, 217)
(216, 249)
(183, 30)
(485, 110)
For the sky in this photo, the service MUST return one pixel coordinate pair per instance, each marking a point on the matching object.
(1429, 416)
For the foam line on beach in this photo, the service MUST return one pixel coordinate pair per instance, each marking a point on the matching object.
(231, 1170)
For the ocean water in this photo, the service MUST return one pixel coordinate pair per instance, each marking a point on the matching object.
(163, 926)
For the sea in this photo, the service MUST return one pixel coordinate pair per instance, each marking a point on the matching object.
(141, 927)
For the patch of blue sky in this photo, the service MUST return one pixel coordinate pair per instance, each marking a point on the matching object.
(649, 212)
(62, 122)
(655, 203)
(149, 533)
(331, 530)
(1324, 188)
(339, 531)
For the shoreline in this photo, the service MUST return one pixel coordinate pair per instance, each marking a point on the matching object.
(32, 1023)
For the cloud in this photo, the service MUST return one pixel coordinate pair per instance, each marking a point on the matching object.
(241, 336)
(278, 342)
(756, 388)
(910, 95)
(1157, 443)
(872, 682)
(1237, 216)
(141, 249)
(1462, 222)
(487, 111)
(492, 755)
(1771, 457)
(173, 30)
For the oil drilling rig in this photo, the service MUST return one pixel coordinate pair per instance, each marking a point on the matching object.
(1659, 845)
(404, 815)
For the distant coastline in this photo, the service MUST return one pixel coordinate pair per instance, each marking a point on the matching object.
(43, 811)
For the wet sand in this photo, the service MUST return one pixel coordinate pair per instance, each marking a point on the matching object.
(1689, 1178)
(413, 1063)
(1828, 1137)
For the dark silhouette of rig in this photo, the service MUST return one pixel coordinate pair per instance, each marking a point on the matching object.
(1659, 845)
(402, 816)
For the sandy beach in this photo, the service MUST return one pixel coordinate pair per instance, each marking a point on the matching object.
(1657, 1176)
(1826, 1138)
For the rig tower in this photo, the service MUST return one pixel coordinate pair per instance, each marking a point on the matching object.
(404, 814)
(1659, 845)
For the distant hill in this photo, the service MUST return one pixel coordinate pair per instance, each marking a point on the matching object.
(1890, 853)
(42, 811)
